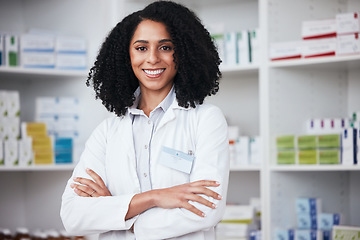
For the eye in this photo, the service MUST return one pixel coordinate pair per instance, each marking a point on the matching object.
(166, 48)
(141, 49)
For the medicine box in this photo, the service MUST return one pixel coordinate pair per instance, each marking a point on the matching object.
(243, 47)
(349, 146)
(308, 156)
(307, 142)
(3, 103)
(238, 214)
(37, 43)
(2, 162)
(284, 234)
(328, 220)
(319, 47)
(330, 141)
(345, 232)
(70, 45)
(63, 150)
(286, 157)
(330, 156)
(2, 50)
(71, 61)
(308, 205)
(11, 152)
(348, 23)
(324, 28)
(254, 46)
(286, 142)
(285, 50)
(38, 59)
(306, 221)
(12, 50)
(242, 148)
(308, 234)
(12, 103)
(255, 153)
(348, 44)
(25, 151)
(233, 230)
(231, 49)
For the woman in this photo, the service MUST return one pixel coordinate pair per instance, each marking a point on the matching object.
(159, 170)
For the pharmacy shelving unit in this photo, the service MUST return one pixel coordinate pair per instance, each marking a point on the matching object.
(297, 90)
(270, 99)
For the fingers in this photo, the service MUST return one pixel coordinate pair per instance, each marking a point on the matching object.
(96, 177)
(193, 209)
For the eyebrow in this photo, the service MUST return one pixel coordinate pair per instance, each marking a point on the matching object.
(145, 41)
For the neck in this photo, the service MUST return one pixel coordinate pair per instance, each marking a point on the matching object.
(151, 99)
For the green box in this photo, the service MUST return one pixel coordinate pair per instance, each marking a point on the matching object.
(330, 141)
(308, 156)
(285, 142)
(345, 233)
(330, 156)
(286, 157)
(307, 142)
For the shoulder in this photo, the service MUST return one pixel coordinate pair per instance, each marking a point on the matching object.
(108, 125)
(209, 111)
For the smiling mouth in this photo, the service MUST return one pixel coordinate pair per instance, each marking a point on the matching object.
(154, 73)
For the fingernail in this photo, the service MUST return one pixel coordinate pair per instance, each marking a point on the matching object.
(219, 197)
(88, 169)
(213, 205)
(72, 185)
(218, 183)
(75, 178)
(203, 214)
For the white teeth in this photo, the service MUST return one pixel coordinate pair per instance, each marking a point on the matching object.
(154, 72)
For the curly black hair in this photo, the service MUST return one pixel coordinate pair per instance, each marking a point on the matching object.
(197, 60)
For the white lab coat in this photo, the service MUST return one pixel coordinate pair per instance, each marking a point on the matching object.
(110, 152)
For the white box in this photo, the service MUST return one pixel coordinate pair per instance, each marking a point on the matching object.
(2, 162)
(2, 50)
(346, 232)
(233, 230)
(242, 149)
(319, 47)
(255, 153)
(45, 107)
(13, 103)
(307, 221)
(349, 146)
(348, 44)
(38, 59)
(3, 103)
(284, 234)
(328, 220)
(68, 106)
(26, 157)
(11, 152)
(243, 47)
(348, 23)
(12, 127)
(71, 61)
(254, 46)
(3, 128)
(231, 49)
(244, 213)
(308, 235)
(37, 43)
(285, 50)
(308, 205)
(12, 50)
(70, 45)
(324, 28)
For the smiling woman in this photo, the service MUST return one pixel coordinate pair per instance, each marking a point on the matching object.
(158, 170)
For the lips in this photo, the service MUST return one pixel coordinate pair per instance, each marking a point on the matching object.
(153, 73)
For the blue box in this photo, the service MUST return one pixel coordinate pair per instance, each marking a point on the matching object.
(328, 220)
(311, 206)
(307, 221)
(284, 234)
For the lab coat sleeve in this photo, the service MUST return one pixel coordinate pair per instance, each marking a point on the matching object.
(211, 163)
(87, 215)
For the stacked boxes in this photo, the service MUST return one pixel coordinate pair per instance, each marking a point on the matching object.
(9, 127)
(238, 48)
(61, 115)
(237, 223)
(325, 37)
(43, 50)
(41, 142)
(312, 223)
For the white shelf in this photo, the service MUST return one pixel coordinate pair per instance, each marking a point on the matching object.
(239, 69)
(299, 168)
(62, 167)
(38, 72)
(245, 168)
(339, 61)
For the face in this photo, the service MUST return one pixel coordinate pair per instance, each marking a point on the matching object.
(151, 54)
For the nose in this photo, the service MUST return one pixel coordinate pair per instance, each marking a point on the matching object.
(153, 56)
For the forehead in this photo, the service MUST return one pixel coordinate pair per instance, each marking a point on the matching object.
(150, 30)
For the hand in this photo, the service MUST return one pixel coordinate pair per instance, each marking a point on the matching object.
(90, 188)
(179, 196)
